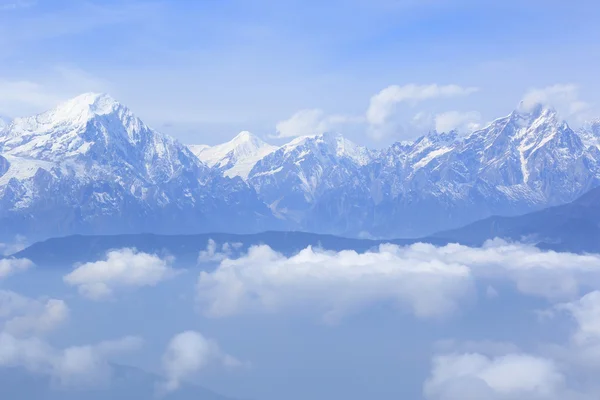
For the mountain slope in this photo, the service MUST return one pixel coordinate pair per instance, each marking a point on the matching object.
(90, 165)
(590, 133)
(65, 251)
(525, 161)
(294, 178)
(236, 157)
(570, 227)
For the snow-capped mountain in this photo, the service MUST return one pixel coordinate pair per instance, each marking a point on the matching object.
(295, 177)
(590, 133)
(90, 165)
(4, 122)
(236, 157)
(522, 162)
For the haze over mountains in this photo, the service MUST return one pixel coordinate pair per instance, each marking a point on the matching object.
(91, 166)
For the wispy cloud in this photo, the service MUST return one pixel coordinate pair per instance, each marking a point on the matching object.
(189, 352)
(15, 5)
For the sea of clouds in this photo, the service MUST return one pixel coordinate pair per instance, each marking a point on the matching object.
(505, 321)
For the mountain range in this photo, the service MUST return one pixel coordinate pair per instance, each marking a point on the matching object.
(91, 166)
(572, 227)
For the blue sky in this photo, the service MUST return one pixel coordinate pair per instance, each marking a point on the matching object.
(205, 70)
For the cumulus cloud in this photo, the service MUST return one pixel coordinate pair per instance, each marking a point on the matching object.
(9, 266)
(214, 253)
(564, 98)
(312, 122)
(264, 280)
(509, 377)
(429, 281)
(586, 312)
(583, 348)
(382, 105)
(122, 268)
(189, 352)
(72, 366)
(547, 274)
(23, 315)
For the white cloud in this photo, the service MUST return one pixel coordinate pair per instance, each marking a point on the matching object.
(455, 120)
(337, 283)
(563, 97)
(430, 281)
(586, 312)
(583, 349)
(382, 105)
(9, 266)
(189, 352)
(485, 347)
(15, 5)
(312, 122)
(24, 315)
(19, 242)
(536, 272)
(510, 377)
(122, 268)
(379, 114)
(23, 97)
(72, 366)
(213, 253)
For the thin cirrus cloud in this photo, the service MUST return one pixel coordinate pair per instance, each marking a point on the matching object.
(456, 120)
(427, 280)
(16, 5)
(313, 122)
(382, 104)
(378, 118)
(188, 353)
(124, 268)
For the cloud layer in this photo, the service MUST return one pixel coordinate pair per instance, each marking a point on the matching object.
(429, 281)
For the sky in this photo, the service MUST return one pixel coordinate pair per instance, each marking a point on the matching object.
(377, 71)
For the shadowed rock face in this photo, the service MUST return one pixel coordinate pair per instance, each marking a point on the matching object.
(573, 227)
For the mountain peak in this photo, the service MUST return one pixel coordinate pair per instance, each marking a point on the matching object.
(243, 136)
(533, 111)
(247, 138)
(73, 128)
(235, 157)
(83, 107)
